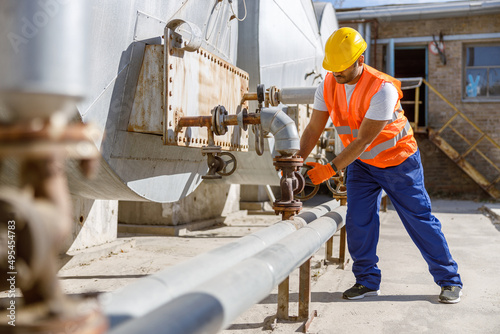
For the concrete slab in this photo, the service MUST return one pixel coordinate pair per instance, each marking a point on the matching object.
(408, 302)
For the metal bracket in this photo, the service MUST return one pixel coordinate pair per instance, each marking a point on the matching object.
(179, 40)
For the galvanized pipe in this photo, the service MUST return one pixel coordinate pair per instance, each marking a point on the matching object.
(297, 95)
(290, 95)
(239, 287)
(143, 296)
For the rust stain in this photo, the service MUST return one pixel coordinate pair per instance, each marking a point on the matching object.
(147, 110)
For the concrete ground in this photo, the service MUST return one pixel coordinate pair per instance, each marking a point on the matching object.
(408, 302)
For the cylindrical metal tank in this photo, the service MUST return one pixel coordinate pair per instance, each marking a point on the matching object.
(43, 59)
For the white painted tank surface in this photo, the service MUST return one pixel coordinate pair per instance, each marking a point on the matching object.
(278, 44)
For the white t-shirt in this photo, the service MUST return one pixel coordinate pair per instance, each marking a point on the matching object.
(382, 103)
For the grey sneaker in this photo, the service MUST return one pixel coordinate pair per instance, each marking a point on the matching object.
(359, 291)
(450, 294)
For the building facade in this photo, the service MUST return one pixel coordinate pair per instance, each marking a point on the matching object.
(455, 48)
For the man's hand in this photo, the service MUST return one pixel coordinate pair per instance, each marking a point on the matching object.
(320, 173)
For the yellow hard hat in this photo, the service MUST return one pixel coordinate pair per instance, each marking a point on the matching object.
(342, 49)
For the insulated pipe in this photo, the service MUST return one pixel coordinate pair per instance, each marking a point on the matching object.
(297, 95)
(235, 290)
(144, 295)
(286, 137)
(290, 95)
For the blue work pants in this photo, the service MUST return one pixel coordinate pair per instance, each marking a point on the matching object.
(404, 184)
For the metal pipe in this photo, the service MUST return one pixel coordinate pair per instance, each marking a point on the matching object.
(201, 121)
(270, 193)
(368, 39)
(249, 97)
(390, 58)
(423, 11)
(361, 28)
(290, 95)
(139, 298)
(206, 121)
(241, 286)
(286, 137)
(248, 119)
(297, 95)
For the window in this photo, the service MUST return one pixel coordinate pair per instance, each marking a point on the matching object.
(482, 73)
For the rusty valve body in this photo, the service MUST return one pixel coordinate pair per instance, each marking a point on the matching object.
(292, 182)
(37, 218)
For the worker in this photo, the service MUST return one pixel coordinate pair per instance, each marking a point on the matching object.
(379, 153)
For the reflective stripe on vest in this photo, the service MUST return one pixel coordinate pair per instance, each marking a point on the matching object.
(346, 130)
(375, 150)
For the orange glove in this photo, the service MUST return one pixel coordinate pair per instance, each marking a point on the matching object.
(320, 173)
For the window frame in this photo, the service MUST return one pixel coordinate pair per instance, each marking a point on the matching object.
(486, 98)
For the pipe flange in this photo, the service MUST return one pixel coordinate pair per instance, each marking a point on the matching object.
(261, 93)
(281, 162)
(240, 118)
(287, 209)
(274, 96)
(218, 117)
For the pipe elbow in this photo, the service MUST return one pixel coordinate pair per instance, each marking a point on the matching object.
(286, 136)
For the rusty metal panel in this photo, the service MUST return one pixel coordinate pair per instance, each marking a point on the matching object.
(196, 82)
(146, 116)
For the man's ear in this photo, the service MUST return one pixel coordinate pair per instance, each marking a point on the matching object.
(361, 60)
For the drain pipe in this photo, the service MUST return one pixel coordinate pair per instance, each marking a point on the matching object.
(215, 304)
(143, 296)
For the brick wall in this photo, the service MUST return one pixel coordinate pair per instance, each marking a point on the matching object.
(443, 177)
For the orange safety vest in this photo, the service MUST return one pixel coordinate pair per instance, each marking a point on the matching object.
(395, 143)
